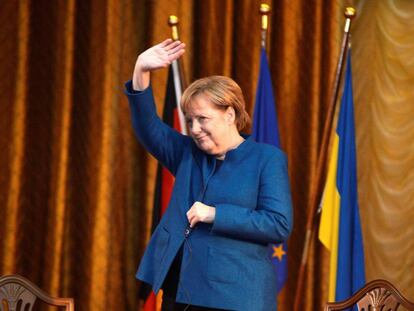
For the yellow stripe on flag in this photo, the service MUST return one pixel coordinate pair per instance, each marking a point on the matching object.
(329, 225)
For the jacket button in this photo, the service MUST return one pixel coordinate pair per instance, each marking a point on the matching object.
(187, 232)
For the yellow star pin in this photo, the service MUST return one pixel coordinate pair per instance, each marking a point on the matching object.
(278, 252)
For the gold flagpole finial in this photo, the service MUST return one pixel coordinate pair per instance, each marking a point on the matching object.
(264, 11)
(349, 13)
(173, 22)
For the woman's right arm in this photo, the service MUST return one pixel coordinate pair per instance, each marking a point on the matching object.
(158, 138)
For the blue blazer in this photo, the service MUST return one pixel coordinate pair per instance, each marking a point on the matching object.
(225, 264)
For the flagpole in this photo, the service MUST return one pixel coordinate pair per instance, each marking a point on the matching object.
(173, 23)
(316, 190)
(265, 129)
(264, 11)
(179, 71)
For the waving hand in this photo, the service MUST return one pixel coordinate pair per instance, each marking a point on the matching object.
(156, 57)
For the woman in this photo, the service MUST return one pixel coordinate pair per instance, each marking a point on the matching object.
(231, 196)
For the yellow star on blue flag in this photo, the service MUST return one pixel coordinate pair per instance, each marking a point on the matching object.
(278, 252)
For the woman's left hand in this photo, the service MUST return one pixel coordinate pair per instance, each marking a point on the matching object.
(200, 212)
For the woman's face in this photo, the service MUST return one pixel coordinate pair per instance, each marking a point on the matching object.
(209, 126)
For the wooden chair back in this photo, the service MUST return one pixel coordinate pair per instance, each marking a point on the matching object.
(378, 295)
(19, 294)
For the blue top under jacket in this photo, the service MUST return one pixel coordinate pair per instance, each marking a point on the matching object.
(225, 264)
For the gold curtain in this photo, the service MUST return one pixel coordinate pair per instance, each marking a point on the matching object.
(76, 188)
(383, 49)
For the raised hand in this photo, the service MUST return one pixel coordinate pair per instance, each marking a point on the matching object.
(156, 57)
(160, 55)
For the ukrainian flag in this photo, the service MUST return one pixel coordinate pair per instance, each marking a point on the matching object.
(340, 227)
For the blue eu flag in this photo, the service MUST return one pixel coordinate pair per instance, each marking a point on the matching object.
(266, 130)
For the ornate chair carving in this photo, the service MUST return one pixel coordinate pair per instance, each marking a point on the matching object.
(378, 295)
(18, 294)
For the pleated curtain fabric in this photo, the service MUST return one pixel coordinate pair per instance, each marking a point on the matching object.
(76, 189)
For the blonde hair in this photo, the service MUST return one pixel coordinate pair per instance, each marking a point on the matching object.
(223, 92)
